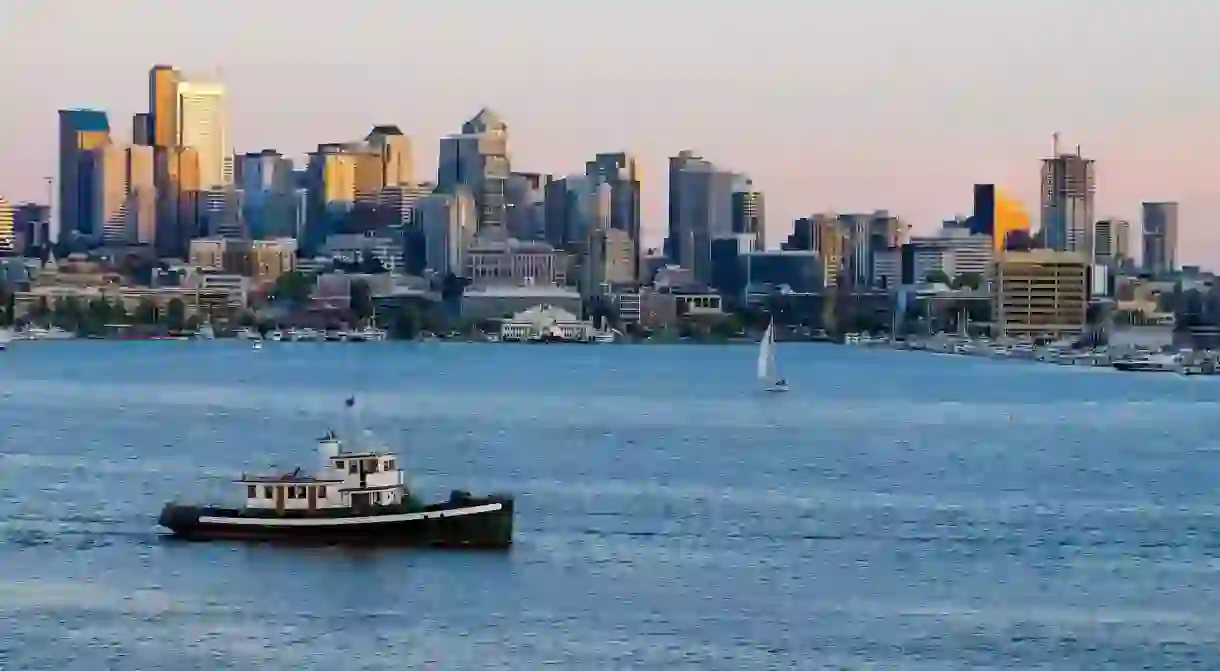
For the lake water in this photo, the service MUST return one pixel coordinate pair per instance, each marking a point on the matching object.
(902, 510)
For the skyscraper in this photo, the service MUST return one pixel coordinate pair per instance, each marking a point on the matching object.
(80, 131)
(749, 213)
(397, 160)
(268, 194)
(700, 210)
(1160, 223)
(618, 169)
(163, 105)
(1067, 202)
(202, 127)
(1112, 242)
(448, 225)
(7, 240)
(997, 216)
(478, 159)
(109, 175)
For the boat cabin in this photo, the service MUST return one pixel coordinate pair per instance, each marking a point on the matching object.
(363, 479)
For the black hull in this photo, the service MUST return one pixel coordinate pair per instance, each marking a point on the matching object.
(439, 527)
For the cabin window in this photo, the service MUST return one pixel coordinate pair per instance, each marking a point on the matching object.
(371, 465)
(251, 492)
(389, 464)
(269, 492)
(321, 492)
(339, 464)
(300, 492)
(351, 467)
(292, 492)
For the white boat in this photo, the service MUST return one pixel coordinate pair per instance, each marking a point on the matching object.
(206, 332)
(1153, 363)
(6, 336)
(766, 362)
(246, 333)
(604, 337)
(258, 344)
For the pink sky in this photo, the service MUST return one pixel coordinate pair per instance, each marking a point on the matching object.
(847, 106)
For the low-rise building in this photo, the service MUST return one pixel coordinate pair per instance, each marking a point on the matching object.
(1040, 294)
(501, 302)
(545, 321)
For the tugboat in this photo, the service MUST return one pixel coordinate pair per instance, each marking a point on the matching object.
(357, 497)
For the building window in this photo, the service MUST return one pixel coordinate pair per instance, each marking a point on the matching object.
(268, 492)
(339, 464)
(251, 492)
(322, 492)
(389, 465)
(351, 467)
(292, 492)
(301, 492)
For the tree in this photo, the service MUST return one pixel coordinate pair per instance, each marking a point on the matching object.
(937, 277)
(98, 315)
(360, 297)
(41, 312)
(406, 324)
(175, 314)
(972, 281)
(119, 314)
(67, 313)
(292, 287)
(146, 312)
(10, 309)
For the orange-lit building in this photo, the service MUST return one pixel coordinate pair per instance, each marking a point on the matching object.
(997, 215)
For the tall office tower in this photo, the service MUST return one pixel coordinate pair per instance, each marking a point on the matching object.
(394, 150)
(749, 212)
(564, 219)
(202, 127)
(8, 243)
(32, 223)
(268, 188)
(1160, 223)
(332, 180)
(178, 220)
(448, 223)
(142, 129)
(526, 205)
(866, 235)
(996, 215)
(619, 171)
(1111, 242)
(700, 211)
(1068, 186)
(109, 175)
(141, 178)
(163, 83)
(478, 159)
(80, 132)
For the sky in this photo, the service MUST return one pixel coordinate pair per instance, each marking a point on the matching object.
(827, 105)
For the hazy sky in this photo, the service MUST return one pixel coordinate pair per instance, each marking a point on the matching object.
(847, 106)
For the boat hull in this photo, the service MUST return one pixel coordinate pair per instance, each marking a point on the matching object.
(475, 524)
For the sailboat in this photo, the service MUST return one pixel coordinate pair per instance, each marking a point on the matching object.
(766, 362)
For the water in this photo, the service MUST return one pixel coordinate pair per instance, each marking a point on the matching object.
(895, 509)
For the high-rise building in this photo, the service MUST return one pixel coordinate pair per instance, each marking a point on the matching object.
(565, 212)
(202, 127)
(749, 213)
(394, 150)
(448, 222)
(267, 184)
(80, 132)
(997, 216)
(1111, 242)
(179, 218)
(142, 129)
(700, 211)
(1160, 224)
(332, 178)
(32, 223)
(109, 175)
(526, 205)
(8, 243)
(477, 158)
(618, 169)
(1067, 202)
(1042, 293)
(163, 83)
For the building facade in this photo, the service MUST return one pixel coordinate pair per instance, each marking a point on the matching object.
(1160, 237)
(1068, 187)
(1040, 294)
(80, 132)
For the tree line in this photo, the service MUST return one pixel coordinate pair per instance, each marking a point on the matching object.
(95, 315)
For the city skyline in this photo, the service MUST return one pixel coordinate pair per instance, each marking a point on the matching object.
(1145, 118)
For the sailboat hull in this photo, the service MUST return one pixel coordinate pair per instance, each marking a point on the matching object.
(777, 388)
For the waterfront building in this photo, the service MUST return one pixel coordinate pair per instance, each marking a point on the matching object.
(1160, 237)
(448, 223)
(545, 320)
(262, 260)
(514, 262)
(498, 302)
(1041, 293)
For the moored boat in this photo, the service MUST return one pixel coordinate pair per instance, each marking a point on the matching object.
(358, 496)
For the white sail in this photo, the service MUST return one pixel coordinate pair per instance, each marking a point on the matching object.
(766, 355)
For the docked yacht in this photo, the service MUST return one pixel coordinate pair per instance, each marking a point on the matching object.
(1150, 363)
